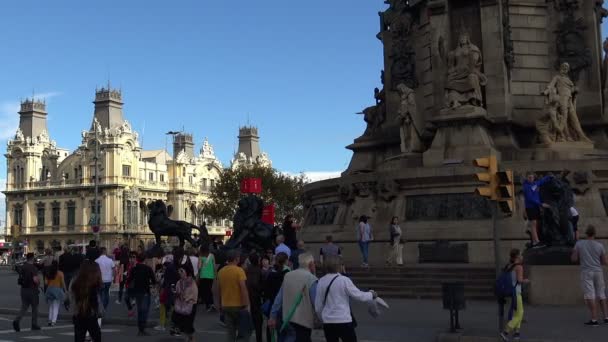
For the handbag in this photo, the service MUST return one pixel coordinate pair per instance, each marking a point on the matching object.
(181, 306)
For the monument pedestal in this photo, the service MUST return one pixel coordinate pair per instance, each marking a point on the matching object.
(554, 279)
(571, 150)
(461, 135)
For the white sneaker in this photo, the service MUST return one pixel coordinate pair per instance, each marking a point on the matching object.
(117, 302)
(159, 328)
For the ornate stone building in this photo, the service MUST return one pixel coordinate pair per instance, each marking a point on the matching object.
(50, 191)
(249, 151)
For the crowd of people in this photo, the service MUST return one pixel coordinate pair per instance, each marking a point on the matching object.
(274, 296)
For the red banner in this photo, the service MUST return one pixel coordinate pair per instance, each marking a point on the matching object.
(268, 214)
(251, 186)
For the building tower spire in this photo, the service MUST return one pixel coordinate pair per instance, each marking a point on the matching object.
(108, 107)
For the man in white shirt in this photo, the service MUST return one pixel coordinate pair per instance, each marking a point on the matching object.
(106, 265)
(332, 302)
(282, 247)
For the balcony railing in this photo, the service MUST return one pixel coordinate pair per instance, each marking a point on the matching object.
(119, 180)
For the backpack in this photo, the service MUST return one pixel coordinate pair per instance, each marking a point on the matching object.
(504, 287)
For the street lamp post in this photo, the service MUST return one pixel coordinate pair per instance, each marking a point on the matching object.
(96, 211)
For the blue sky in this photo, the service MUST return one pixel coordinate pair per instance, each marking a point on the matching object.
(297, 70)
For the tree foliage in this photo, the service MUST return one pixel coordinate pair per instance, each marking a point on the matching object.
(281, 189)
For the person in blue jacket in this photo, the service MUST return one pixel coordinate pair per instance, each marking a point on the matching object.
(532, 201)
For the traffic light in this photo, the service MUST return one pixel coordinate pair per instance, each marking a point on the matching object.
(506, 191)
(488, 177)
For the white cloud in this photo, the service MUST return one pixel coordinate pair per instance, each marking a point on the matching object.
(315, 176)
(9, 119)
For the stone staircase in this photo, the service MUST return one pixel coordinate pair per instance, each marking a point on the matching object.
(424, 281)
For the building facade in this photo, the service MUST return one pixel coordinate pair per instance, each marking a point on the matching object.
(51, 192)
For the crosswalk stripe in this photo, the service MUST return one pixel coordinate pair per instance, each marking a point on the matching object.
(9, 331)
(37, 337)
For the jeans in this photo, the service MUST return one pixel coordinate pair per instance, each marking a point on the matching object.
(53, 310)
(339, 331)
(29, 297)
(364, 247)
(121, 289)
(142, 301)
(231, 315)
(105, 295)
(89, 324)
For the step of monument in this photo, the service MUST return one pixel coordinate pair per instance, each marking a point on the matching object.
(433, 295)
(443, 278)
(423, 288)
(421, 275)
(409, 270)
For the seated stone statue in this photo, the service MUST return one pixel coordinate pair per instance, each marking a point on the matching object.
(560, 122)
(465, 78)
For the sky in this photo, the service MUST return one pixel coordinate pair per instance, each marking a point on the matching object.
(298, 70)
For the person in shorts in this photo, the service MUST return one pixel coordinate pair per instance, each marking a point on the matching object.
(533, 204)
(592, 255)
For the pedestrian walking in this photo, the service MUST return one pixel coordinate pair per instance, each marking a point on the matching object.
(186, 295)
(143, 278)
(30, 282)
(281, 246)
(106, 265)
(289, 232)
(332, 302)
(162, 297)
(515, 266)
(47, 260)
(271, 286)
(55, 291)
(86, 302)
(295, 301)
(592, 255)
(295, 253)
(364, 236)
(92, 251)
(395, 255)
(129, 295)
(254, 288)
(233, 298)
(206, 276)
(329, 249)
(70, 265)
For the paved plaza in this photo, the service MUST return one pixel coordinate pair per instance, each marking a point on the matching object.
(407, 320)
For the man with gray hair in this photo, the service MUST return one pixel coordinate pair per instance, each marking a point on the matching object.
(592, 257)
(296, 299)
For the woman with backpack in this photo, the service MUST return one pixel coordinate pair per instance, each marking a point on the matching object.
(186, 295)
(516, 269)
(55, 291)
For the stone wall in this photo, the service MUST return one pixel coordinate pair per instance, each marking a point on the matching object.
(531, 71)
